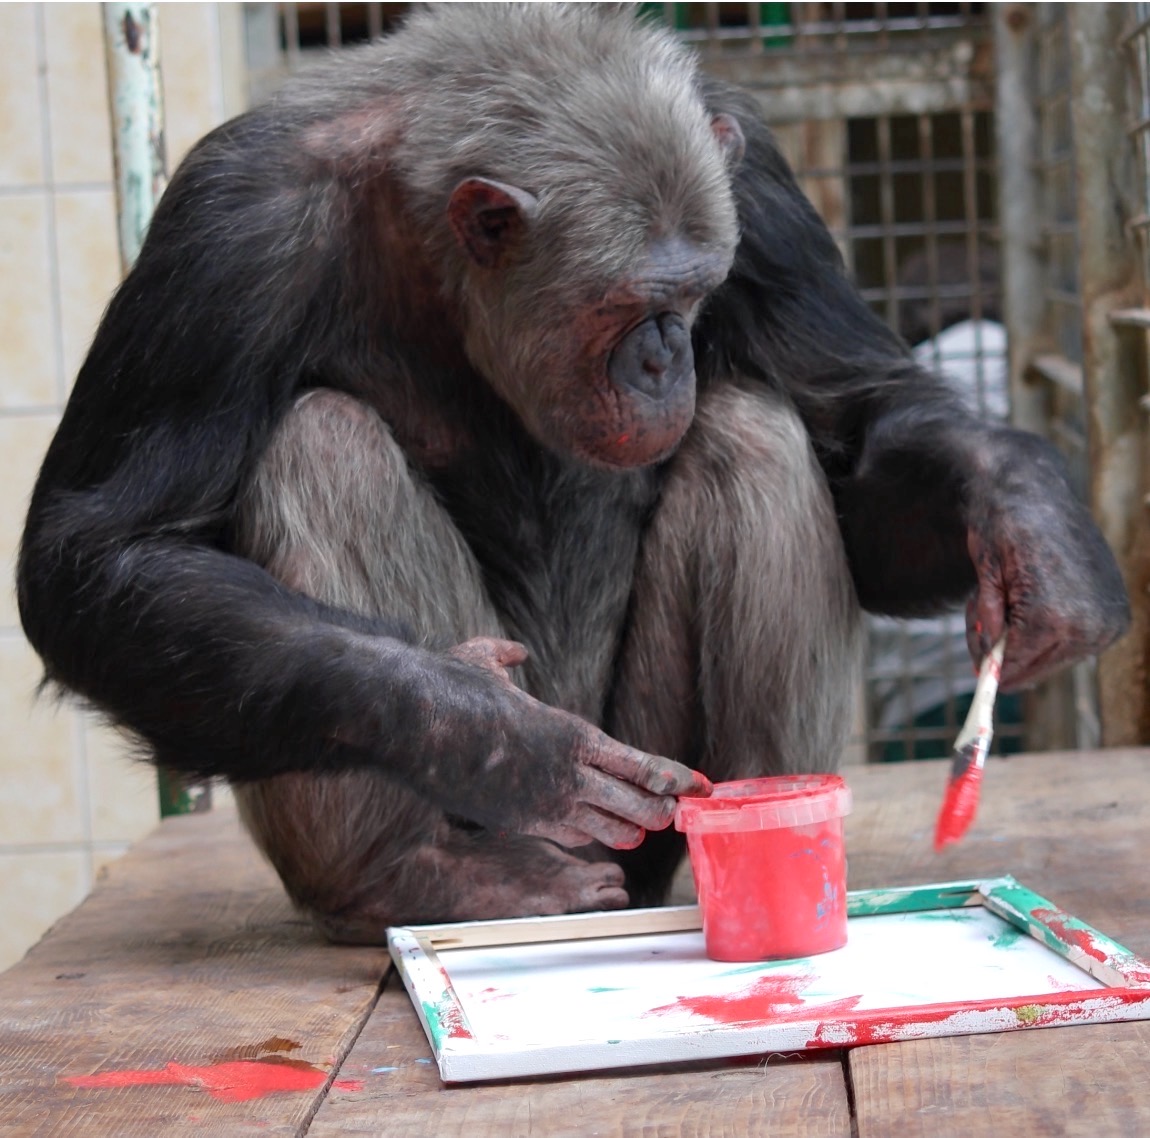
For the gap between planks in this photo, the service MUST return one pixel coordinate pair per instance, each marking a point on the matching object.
(345, 1051)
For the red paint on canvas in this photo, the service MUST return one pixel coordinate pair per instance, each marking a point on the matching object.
(237, 1081)
(884, 1025)
(449, 1013)
(490, 995)
(772, 999)
(451, 1020)
(1058, 923)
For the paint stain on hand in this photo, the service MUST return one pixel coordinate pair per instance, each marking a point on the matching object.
(237, 1081)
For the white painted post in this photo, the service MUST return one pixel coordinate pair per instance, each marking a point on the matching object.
(135, 97)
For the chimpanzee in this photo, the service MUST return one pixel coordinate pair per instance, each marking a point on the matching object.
(486, 438)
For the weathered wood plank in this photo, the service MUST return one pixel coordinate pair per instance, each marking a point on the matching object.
(784, 1097)
(1066, 1082)
(1072, 827)
(187, 953)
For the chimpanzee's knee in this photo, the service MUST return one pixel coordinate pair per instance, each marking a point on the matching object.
(742, 651)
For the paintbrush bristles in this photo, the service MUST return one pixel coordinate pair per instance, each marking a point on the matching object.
(960, 803)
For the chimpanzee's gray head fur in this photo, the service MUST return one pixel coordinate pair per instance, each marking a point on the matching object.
(564, 174)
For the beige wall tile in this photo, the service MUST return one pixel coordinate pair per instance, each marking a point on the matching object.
(63, 778)
(77, 93)
(36, 890)
(21, 122)
(23, 441)
(40, 780)
(89, 260)
(124, 801)
(190, 64)
(233, 59)
(27, 328)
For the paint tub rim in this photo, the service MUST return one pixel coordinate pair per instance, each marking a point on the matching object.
(775, 802)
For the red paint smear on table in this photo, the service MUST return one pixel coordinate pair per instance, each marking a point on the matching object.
(776, 999)
(1058, 923)
(237, 1081)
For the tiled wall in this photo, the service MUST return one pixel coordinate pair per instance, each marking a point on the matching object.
(70, 797)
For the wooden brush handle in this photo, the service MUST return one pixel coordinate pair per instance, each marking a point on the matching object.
(980, 717)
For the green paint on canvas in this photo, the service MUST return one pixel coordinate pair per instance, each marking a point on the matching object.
(958, 915)
(763, 966)
(431, 1015)
(1007, 938)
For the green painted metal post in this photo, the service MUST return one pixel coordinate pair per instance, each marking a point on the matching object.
(135, 96)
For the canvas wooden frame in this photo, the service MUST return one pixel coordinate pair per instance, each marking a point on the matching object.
(1114, 985)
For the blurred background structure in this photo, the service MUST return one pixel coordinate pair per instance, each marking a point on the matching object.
(983, 167)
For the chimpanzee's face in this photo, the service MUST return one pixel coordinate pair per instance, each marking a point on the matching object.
(623, 382)
(578, 300)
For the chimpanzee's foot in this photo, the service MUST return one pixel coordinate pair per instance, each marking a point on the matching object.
(479, 876)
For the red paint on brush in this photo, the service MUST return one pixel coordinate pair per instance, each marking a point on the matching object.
(960, 804)
(238, 1081)
(961, 801)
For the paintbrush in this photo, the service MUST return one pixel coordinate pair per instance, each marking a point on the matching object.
(961, 801)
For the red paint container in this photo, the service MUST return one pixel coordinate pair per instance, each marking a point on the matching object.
(769, 865)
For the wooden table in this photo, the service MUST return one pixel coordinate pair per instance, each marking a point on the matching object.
(187, 958)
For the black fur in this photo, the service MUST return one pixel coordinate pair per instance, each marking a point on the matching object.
(911, 469)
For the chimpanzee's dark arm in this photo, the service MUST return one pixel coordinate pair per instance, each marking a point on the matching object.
(936, 506)
(126, 585)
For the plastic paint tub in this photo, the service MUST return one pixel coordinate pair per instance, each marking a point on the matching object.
(769, 865)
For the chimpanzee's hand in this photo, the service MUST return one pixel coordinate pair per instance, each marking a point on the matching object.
(1045, 573)
(557, 776)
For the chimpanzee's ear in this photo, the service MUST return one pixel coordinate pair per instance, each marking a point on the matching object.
(729, 135)
(488, 218)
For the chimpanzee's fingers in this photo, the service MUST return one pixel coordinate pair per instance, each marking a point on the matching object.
(622, 800)
(1037, 657)
(585, 824)
(986, 610)
(612, 831)
(658, 775)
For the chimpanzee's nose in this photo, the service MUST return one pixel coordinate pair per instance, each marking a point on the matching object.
(654, 357)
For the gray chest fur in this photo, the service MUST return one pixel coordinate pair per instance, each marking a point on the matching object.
(558, 550)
